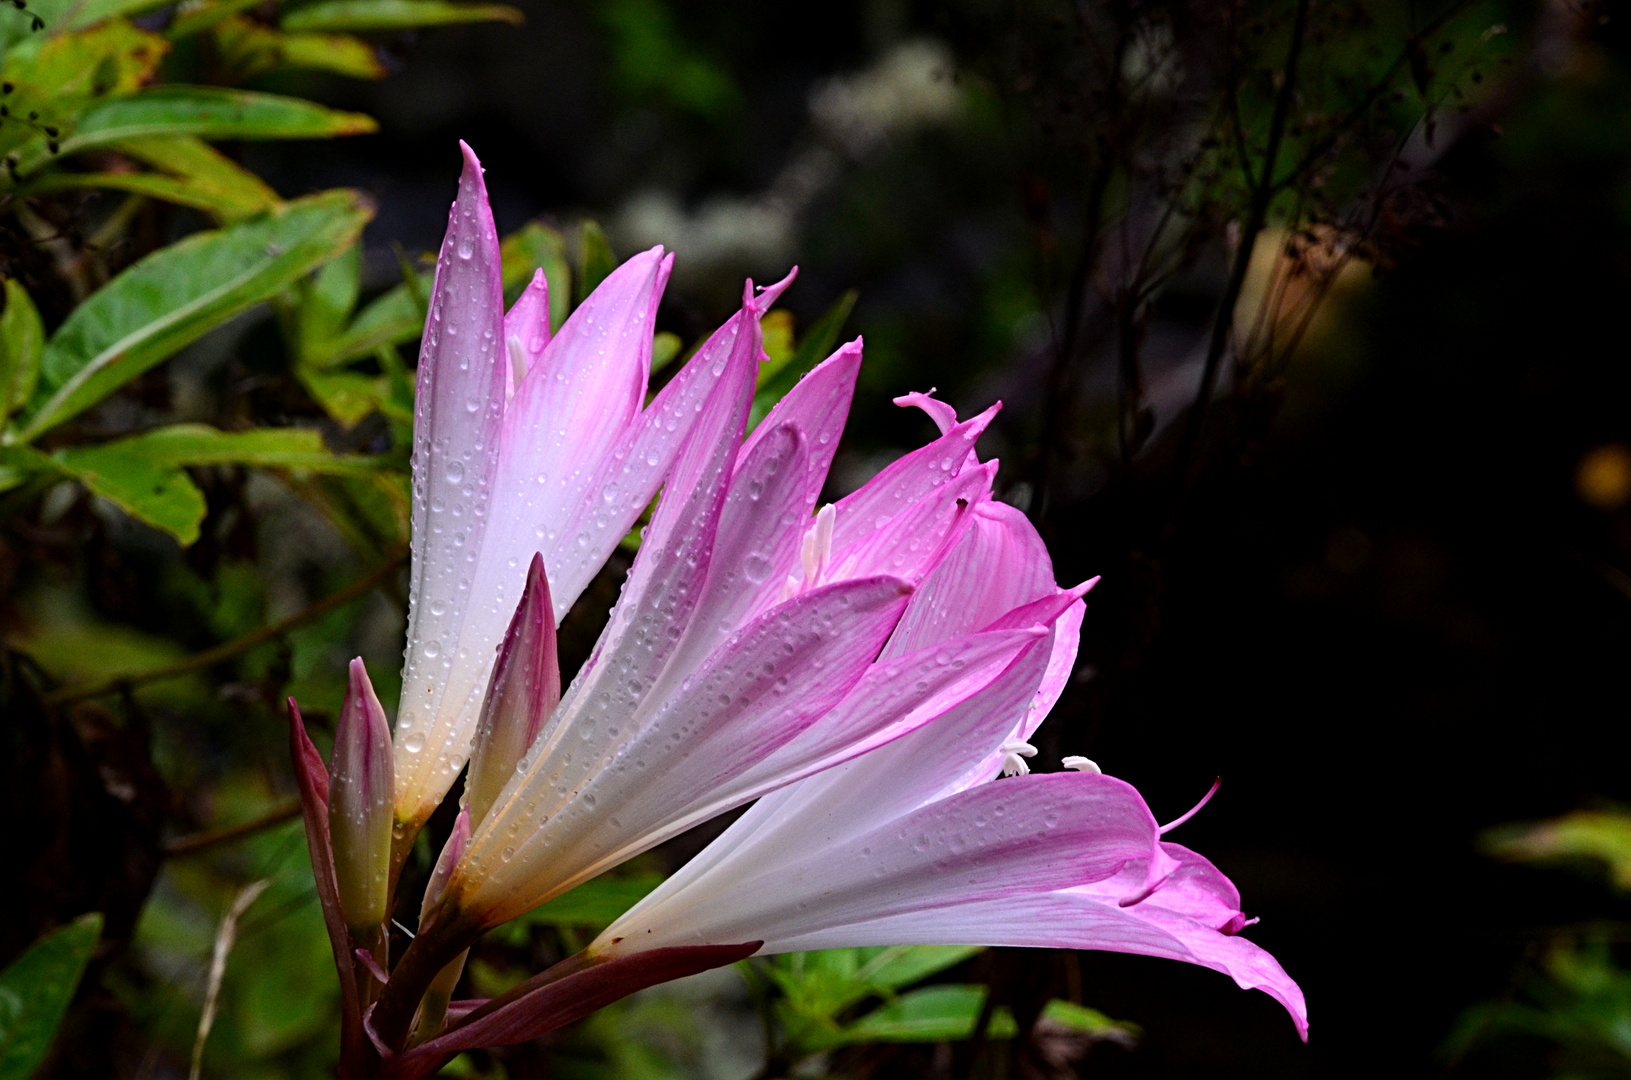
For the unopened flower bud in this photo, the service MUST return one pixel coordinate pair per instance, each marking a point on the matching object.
(525, 688)
(361, 791)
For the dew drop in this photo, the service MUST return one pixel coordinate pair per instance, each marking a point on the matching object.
(415, 743)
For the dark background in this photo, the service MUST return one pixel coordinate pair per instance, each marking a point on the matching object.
(1382, 611)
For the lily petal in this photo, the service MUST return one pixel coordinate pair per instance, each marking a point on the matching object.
(458, 409)
(526, 328)
(773, 679)
(523, 692)
(1030, 834)
(906, 480)
(819, 406)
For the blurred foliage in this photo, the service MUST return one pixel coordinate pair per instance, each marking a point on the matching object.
(34, 992)
(1573, 991)
(206, 391)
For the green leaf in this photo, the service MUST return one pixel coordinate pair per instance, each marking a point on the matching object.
(665, 347)
(176, 294)
(597, 902)
(814, 347)
(777, 330)
(537, 246)
(901, 965)
(1092, 1022)
(205, 111)
(932, 1014)
(35, 990)
(195, 18)
(94, 11)
(22, 340)
(20, 464)
(235, 191)
(143, 474)
(1598, 835)
(374, 15)
(331, 297)
(595, 259)
(395, 316)
(249, 49)
(53, 78)
(182, 191)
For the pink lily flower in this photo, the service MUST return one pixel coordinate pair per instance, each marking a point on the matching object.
(859, 669)
(915, 844)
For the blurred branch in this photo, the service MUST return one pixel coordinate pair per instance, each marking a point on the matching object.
(186, 845)
(361, 587)
(1262, 195)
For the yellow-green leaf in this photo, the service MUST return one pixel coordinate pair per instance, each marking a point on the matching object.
(249, 48)
(35, 990)
(22, 340)
(144, 476)
(172, 296)
(536, 246)
(204, 111)
(234, 191)
(374, 15)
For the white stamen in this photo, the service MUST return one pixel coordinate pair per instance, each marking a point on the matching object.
(518, 363)
(1081, 764)
(1014, 765)
(1018, 746)
(815, 553)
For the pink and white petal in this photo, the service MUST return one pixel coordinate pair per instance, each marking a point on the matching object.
(622, 485)
(458, 411)
(943, 415)
(527, 325)
(1030, 834)
(944, 731)
(655, 775)
(759, 531)
(1072, 919)
(911, 543)
(819, 405)
(1061, 664)
(906, 480)
(998, 564)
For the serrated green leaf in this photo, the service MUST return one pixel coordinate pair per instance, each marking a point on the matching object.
(249, 49)
(204, 111)
(22, 340)
(174, 295)
(595, 259)
(536, 246)
(35, 990)
(143, 474)
(814, 347)
(359, 16)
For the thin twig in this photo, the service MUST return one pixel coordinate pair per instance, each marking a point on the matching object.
(224, 938)
(1262, 196)
(233, 648)
(198, 841)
